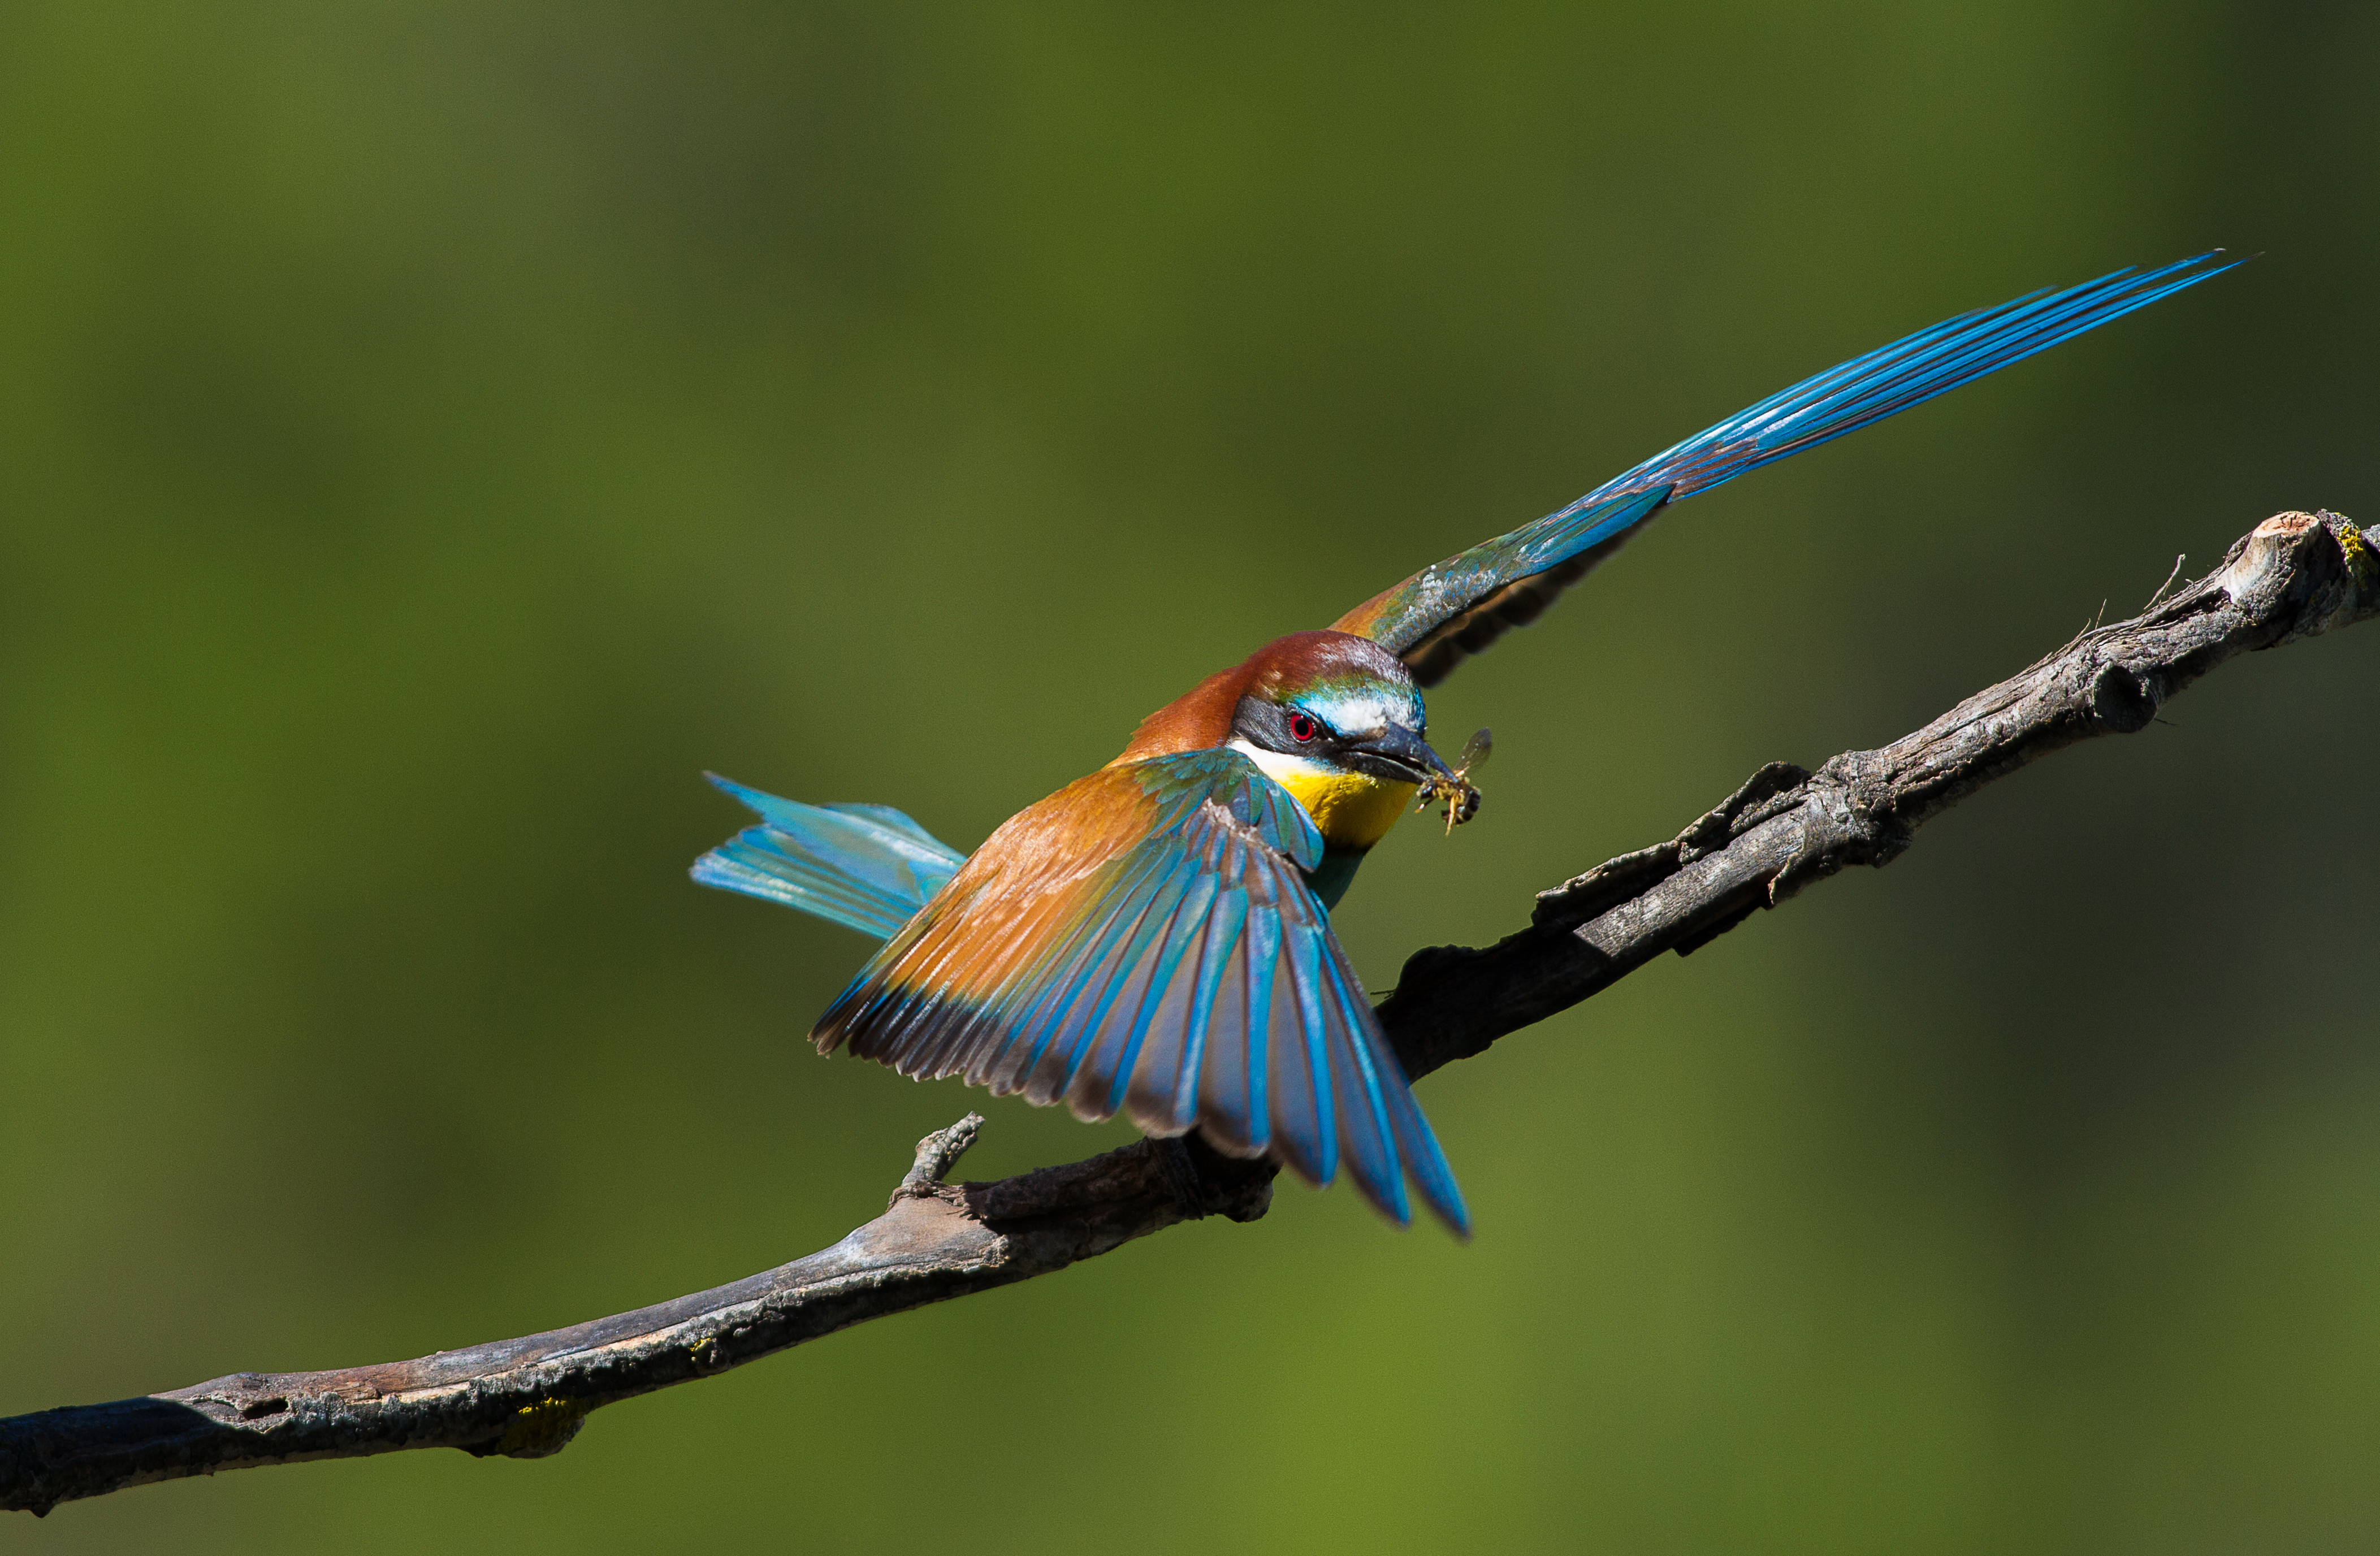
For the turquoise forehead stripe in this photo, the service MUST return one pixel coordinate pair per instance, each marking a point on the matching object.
(1354, 703)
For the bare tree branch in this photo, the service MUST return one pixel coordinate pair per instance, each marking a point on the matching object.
(2294, 575)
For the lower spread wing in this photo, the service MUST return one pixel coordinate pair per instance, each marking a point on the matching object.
(1445, 613)
(1144, 941)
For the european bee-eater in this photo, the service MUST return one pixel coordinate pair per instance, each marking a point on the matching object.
(1156, 938)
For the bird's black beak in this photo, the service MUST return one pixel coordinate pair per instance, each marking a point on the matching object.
(1398, 754)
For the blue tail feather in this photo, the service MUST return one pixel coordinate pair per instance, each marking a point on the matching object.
(865, 867)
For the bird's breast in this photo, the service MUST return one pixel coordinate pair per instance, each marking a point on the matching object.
(1352, 810)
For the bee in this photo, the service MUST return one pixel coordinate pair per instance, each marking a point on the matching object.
(1460, 795)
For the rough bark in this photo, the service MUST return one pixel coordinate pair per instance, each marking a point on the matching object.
(2296, 575)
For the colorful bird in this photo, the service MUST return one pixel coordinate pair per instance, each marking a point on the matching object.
(1155, 938)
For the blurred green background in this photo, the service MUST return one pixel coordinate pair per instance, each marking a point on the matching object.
(431, 435)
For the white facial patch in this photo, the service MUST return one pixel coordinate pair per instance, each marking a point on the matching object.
(1364, 712)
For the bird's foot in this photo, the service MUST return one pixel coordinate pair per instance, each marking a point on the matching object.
(1182, 1175)
(1204, 1182)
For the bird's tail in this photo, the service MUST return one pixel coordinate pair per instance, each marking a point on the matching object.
(865, 867)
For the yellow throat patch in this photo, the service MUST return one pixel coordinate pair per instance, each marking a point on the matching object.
(1350, 809)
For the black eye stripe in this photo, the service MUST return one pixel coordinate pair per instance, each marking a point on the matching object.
(1279, 727)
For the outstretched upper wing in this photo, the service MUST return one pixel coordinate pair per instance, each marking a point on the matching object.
(1458, 607)
(1145, 939)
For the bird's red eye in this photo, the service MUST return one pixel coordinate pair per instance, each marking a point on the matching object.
(1302, 727)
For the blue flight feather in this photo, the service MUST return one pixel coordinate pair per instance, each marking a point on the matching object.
(1193, 980)
(1186, 930)
(1418, 617)
(1313, 1036)
(1226, 1099)
(1892, 378)
(1367, 1143)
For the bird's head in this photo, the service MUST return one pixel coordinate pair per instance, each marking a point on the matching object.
(1335, 719)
